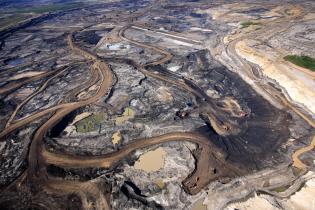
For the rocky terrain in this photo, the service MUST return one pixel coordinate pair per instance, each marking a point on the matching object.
(157, 105)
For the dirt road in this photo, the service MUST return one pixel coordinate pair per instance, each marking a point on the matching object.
(270, 29)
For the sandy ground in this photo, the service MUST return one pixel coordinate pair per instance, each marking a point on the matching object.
(299, 86)
(309, 16)
(164, 95)
(116, 138)
(128, 114)
(256, 202)
(198, 205)
(22, 94)
(304, 199)
(301, 200)
(26, 74)
(224, 12)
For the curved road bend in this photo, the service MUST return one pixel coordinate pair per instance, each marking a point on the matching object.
(37, 164)
(193, 184)
(222, 123)
(210, 163)
(39, 90)
(281, 26)
(17, 84)
(107, 81)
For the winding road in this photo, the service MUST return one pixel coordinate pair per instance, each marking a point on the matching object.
(270, 29)
(211, 161)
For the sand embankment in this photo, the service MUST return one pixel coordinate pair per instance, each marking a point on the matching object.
(299, 86)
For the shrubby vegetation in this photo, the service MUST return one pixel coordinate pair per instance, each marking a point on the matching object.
(302, 61)
(249, 23)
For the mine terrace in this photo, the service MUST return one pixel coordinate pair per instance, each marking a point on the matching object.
(202, 89)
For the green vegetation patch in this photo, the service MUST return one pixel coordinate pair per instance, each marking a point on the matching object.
(302, 61)
(280, 189)
(49, 8)
(90, 123)
(297, 171)
(249, 23)
(128, 114)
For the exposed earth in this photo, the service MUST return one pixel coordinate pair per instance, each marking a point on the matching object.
(157, 104)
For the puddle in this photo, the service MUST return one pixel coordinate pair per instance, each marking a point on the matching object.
(151, 161)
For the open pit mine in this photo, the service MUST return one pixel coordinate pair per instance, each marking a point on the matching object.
(157, 104)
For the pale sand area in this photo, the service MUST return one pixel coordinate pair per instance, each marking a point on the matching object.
(71, 128)
(299, 86)
(116, 137)
(86, 93)
(200, 29)
(256, 202)
(198, 205)
(128, 114)
(80, 117)
(26, 74)
(301, 200)
(304, 199)
(221, 12)
(230, 12)
(309, 16)
(151, 161)
(164, 95)
(23, 93)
